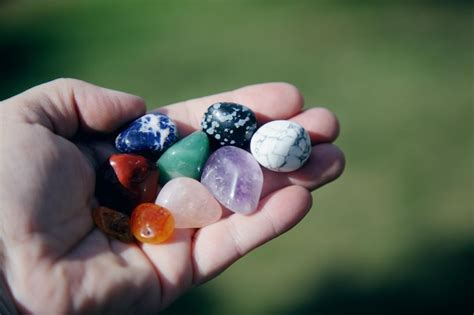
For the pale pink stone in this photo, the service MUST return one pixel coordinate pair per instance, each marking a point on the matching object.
(191, 204)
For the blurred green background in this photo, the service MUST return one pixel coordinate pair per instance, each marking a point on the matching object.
(396, 233)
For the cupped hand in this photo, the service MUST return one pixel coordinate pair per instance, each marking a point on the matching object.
(53, 258)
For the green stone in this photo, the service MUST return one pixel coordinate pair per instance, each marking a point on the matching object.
(186, 158)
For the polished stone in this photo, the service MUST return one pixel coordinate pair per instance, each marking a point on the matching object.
(113, 223)
(151, 223)
(185, 158)
(126, 180)
(149, 135)
(234, 178)
(229, 124)
(281, 146)
(190, 202)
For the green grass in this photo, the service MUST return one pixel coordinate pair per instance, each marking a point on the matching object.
(396, 231)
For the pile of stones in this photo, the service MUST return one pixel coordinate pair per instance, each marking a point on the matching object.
(158, 182)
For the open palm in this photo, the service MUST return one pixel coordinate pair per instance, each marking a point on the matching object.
(53, 258)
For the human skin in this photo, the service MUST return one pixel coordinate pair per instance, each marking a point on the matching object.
(55, 261)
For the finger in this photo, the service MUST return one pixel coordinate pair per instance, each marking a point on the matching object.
(172, 264)
(218, 245)
(66, 106)
(97, 152)
(269, 101)
(325, 164)
(322, 125)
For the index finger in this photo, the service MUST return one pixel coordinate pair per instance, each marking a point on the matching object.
(269, 101)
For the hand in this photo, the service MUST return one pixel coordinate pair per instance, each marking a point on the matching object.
(53, 258)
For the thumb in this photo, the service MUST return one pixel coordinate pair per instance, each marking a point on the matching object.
(69, 106)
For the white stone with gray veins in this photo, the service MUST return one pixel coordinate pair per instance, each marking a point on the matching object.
(281, 146)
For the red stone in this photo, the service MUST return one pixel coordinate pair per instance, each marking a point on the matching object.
(137, 174)
(125, 181)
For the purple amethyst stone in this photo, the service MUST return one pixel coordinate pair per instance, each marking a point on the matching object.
(234, 178)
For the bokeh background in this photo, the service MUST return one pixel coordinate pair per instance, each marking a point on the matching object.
(396, 233)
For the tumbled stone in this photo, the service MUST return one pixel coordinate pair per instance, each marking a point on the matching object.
(191, 204)
(126, 180)
(151, 223)
(281, 146)
(113, 223)
(185, 158)
(149, 135)
(229, 124)
(234, 178)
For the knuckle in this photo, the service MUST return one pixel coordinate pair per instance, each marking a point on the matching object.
(65, 83)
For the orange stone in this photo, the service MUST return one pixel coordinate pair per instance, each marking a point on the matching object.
(113, 223)
(151, 223)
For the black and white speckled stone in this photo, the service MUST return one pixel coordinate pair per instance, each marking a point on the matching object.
(229, 124)
(281, 146)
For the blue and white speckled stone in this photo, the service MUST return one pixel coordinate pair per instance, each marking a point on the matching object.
(281, 146)
(150, 134)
